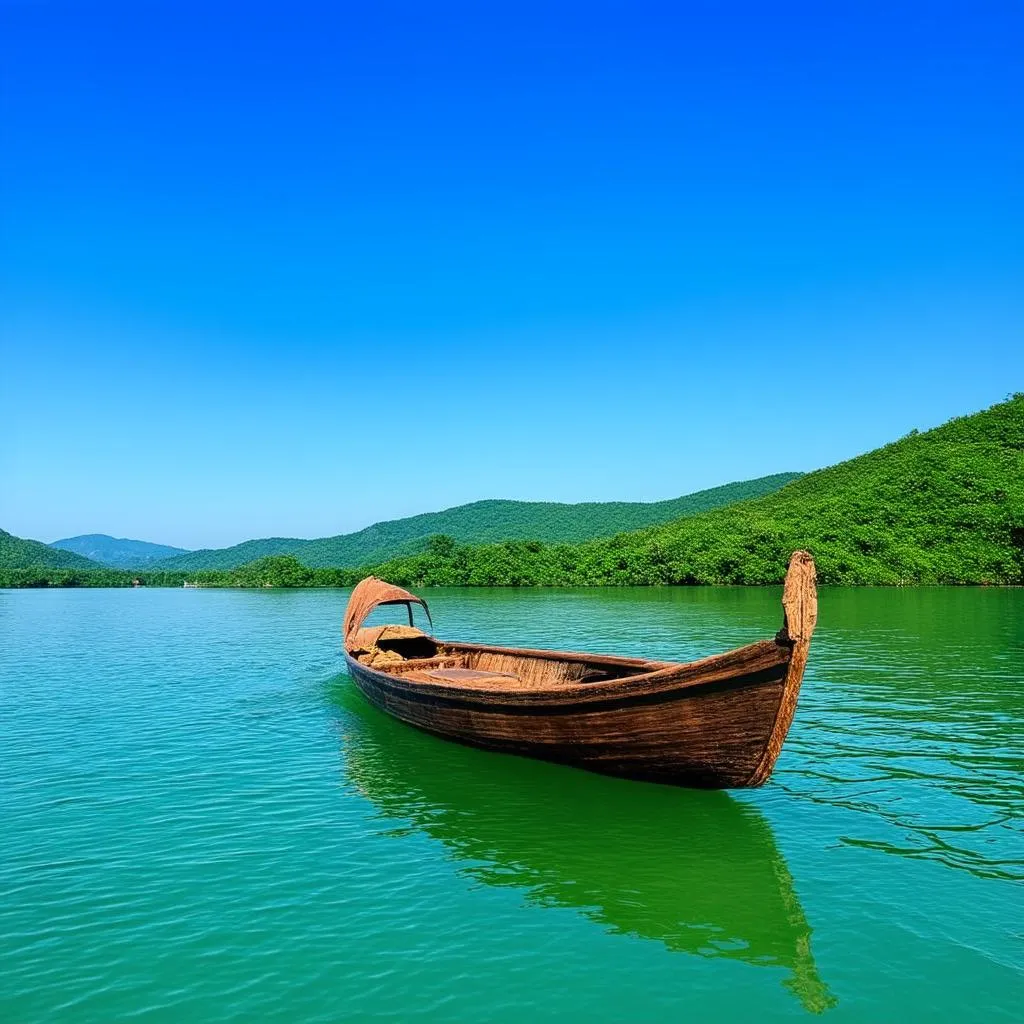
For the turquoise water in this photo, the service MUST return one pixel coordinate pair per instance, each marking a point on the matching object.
(203, 820)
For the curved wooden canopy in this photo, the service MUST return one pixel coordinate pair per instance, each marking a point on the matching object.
(370, 593)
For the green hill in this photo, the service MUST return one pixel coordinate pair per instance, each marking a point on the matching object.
(946, 506)
(16, 553)
(117, 552)
(232, 557)
(479, 522)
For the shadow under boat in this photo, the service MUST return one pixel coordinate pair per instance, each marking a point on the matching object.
(693, 869)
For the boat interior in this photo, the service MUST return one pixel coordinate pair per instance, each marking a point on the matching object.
(419, 657)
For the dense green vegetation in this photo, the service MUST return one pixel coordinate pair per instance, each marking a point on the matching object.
(117, 552)
(36, 576)
(275, 571)
(16, 553)
(222, 559)
(478, 523)
(946, 506)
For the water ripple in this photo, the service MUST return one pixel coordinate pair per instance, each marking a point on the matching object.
(203, 819)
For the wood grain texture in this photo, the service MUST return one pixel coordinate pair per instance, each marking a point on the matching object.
(370, 593)
(800, 602)
(717, 722)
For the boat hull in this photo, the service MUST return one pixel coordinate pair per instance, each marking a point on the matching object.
(719, 722)
(706, 725)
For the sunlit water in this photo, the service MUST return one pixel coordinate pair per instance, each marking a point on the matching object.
(203, 820)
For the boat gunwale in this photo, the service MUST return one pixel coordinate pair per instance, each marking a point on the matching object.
(661, 681)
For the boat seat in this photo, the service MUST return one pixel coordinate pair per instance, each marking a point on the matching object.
(467, 675)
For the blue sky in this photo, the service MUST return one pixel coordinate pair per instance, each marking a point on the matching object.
(290, 270)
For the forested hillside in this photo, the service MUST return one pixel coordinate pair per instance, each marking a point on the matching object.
(479, 522)
(232, 557)
(946, 506)
(16, 553)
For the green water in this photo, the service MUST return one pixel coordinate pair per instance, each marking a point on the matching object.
(203, 820)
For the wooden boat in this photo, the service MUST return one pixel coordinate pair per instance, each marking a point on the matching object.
(717, 723)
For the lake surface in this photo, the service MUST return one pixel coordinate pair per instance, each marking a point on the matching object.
(202, 819)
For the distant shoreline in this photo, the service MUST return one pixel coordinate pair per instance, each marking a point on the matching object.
(944, 507)
(7, 585)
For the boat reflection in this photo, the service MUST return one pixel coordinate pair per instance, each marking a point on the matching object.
(695, 870)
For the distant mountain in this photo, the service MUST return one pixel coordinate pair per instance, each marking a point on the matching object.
(477, 523)
(118, 552)
(16, 553)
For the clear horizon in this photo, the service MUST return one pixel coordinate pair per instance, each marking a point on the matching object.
(290, 275)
